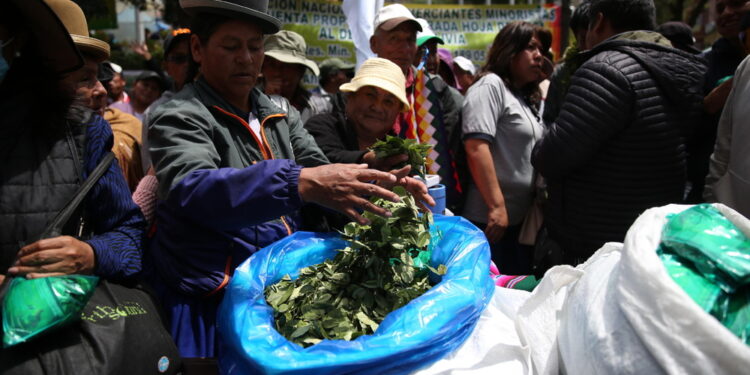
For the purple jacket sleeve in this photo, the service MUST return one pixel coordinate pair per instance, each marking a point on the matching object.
(229, 198)
(116, 220)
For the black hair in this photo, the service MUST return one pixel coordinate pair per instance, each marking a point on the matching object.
(579, 21)
(203, 25)
(625, 15)
(512, 39)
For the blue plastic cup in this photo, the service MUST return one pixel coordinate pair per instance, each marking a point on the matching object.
(437, 193)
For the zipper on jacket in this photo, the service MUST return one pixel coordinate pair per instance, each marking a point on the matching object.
(265, 150)
(267, 154)
(263, 130)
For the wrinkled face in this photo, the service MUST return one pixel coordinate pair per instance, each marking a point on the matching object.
(373, 111)
(231, 59)
(176, 62)
(116, 86)
(280, 78)
(729, 14)
(83, 83)
(432, 59)
(398, 45)
(526, 66)
(146, 91)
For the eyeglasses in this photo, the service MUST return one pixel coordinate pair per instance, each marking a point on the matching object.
(178, 58)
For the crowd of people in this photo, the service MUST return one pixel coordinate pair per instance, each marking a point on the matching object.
(221, 151)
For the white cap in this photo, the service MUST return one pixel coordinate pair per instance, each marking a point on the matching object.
(465, 64)
(116, 68)
(389, 17)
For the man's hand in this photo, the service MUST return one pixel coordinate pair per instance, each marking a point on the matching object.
(415, 187)
(715, 100)
(497, 223)
(141, 49)
(63, 255)
(342, 186)
(384, 164)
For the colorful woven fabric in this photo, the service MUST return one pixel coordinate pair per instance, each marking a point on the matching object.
(512, 282)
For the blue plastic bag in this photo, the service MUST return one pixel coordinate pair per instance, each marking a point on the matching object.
(410, 338)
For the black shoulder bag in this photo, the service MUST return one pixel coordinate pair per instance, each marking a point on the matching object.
(120, 330)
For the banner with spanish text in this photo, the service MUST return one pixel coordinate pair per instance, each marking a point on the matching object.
(467, 30)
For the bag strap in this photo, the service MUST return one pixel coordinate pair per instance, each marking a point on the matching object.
(55, 227)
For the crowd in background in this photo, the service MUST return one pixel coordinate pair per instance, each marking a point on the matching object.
(221, 151)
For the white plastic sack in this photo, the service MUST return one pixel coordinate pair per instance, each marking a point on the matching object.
(625, 315)
(494, 346)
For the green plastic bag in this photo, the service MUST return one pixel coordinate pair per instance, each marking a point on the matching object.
(717, 249)
(33, 306)
(700, 289)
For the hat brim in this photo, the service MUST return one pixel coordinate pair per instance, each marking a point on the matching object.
(427, 38)
(269, 24)
(291, 59)
(97, 48)
(398, 92)
(394, 22)
(52, 41)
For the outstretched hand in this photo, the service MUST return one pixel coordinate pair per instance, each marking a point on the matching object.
(343, 187)
(57, 256)
(415, 187)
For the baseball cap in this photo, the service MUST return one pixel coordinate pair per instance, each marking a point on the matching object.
(390, 16)
(426, 34)
(465, 64)
(150, 74)
(680, 34)
(173, 37)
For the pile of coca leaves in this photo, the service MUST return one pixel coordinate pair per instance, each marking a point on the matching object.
(416, 152)
(385, 267)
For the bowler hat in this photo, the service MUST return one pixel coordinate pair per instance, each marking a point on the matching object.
(74, 20)
(253, 10)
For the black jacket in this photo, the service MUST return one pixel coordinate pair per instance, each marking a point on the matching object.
(618, 145)
(336, 137)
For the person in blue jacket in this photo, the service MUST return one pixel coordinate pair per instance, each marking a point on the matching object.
(50, 143)
(234, 167)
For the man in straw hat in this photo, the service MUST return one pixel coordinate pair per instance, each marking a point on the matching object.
(38, 153)
(284, 65)
(434, 113)
(375, 97)
(234, 169)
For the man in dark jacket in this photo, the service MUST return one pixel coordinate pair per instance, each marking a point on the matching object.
(618, 145)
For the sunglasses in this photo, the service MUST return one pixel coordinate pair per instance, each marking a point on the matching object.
(178, 58)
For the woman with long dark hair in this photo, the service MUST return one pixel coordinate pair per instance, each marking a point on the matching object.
(500, 125)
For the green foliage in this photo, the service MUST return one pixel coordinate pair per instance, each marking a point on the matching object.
(348, 296)
(391, 146)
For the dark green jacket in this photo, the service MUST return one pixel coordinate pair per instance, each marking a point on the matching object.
(198, 129)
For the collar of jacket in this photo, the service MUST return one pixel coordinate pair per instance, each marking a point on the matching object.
(260, 105)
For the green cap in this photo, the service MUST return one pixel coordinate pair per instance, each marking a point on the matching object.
(426, 34)
(333, 64)
(289, 47)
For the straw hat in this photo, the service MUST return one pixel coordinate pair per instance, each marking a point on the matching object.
(289, 47)
(383, 74)
(74, 20)
(255, 11)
